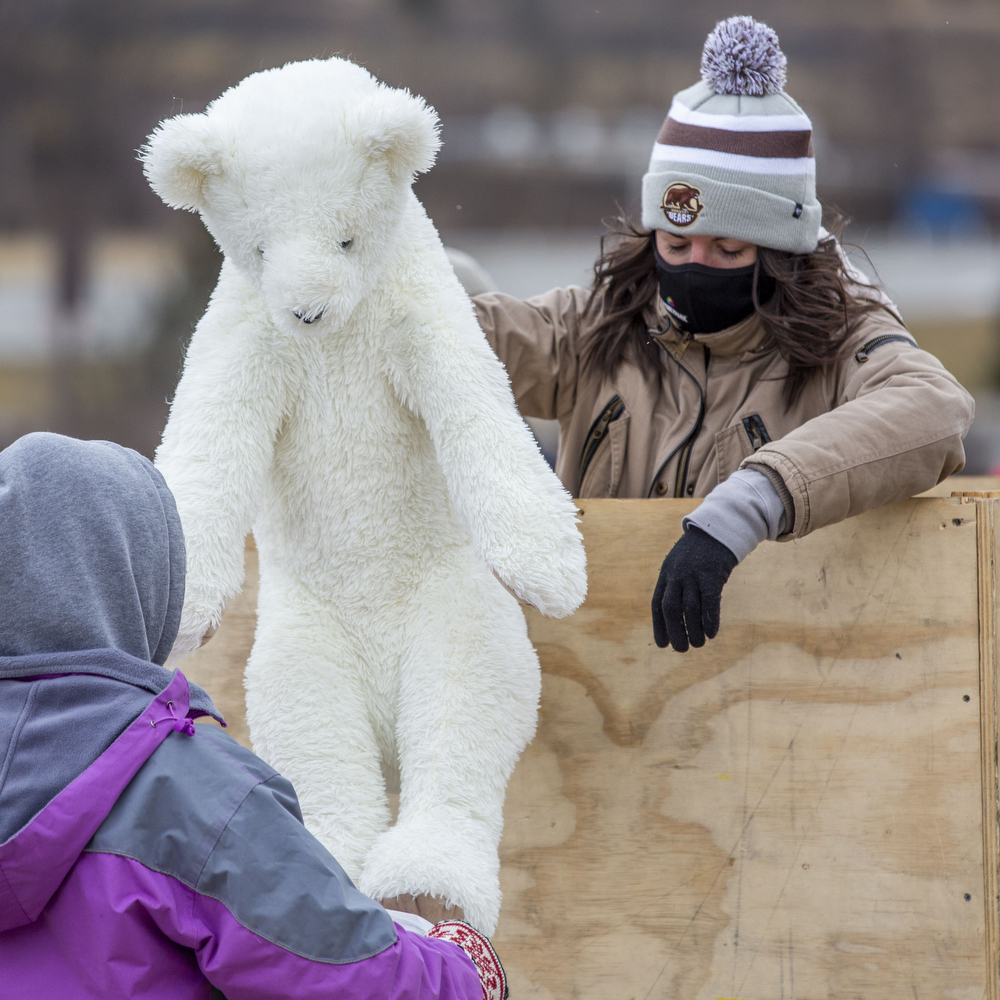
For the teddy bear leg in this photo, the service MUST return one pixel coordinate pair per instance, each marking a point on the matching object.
(309, 719)
(468, 702)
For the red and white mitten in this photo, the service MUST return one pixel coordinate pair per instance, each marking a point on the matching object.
(477, 946)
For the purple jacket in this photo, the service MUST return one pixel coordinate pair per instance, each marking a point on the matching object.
(141, 855)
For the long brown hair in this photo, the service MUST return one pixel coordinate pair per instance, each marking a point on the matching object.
(810, 316)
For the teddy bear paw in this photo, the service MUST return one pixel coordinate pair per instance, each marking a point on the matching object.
(555, 584)
(450, 860)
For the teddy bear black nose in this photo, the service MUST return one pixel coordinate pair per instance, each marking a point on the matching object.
(305, 318)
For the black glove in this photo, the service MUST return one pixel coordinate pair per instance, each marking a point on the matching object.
(689, 591)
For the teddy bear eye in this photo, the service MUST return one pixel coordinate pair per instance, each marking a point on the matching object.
(260, 250)
(345, 244)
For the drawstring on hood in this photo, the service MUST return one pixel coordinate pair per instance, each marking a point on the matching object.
(181, 723)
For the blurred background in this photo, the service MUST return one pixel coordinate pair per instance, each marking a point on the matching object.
(549, 107)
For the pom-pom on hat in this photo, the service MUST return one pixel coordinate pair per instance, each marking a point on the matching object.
(741, 56)
(735, 156)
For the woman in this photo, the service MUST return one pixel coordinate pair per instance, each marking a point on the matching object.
(727, 349)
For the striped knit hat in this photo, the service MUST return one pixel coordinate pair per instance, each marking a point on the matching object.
(735, 156)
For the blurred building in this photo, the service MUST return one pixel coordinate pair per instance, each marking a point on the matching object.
(549, 108)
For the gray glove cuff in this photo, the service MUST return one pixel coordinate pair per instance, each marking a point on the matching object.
(741, 512)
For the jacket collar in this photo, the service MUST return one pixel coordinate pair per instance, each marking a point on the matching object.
(112, 663)
(36, 859)
(745, 337)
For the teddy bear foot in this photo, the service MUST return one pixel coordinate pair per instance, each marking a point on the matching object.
(432, 908)
(450, 859)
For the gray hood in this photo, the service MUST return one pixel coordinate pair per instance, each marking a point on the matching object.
(91, 550)
(91, 588)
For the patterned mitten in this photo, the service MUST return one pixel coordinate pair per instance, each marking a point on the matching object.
(477, 946)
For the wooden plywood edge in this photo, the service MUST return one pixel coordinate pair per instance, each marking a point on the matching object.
(989, 707)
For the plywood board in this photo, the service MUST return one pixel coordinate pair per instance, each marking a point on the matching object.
(793, 811)
(796, 810)
(960, 484)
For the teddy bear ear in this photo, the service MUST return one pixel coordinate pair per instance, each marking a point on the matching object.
(394, 126)
(178, 157)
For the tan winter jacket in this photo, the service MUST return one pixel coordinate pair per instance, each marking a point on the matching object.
(884, 423)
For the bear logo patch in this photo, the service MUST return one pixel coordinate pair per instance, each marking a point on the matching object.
(682, 204)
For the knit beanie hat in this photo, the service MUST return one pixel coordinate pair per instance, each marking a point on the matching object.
(735, 156)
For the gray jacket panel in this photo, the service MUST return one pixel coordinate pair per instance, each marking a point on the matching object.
(51, 731)
(211, 814)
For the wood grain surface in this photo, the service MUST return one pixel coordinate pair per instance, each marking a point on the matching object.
(794, 811)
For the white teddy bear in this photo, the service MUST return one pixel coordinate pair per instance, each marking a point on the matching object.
(340, 401)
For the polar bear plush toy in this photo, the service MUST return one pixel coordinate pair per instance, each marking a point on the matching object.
(339, 400)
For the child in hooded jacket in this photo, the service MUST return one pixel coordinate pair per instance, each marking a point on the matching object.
(141, 855)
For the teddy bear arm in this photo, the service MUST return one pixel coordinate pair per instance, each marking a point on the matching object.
(522, 520)
(217, 449)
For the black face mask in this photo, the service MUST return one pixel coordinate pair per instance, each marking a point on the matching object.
(702, 299)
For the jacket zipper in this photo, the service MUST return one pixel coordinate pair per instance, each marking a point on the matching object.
(685, 447)
(680, 480)
(756, 431)
(861, 356)
(598, 429)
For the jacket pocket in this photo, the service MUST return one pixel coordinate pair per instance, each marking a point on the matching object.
(731, 446)
(607, 461)
(612, 411)
(739, 442)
